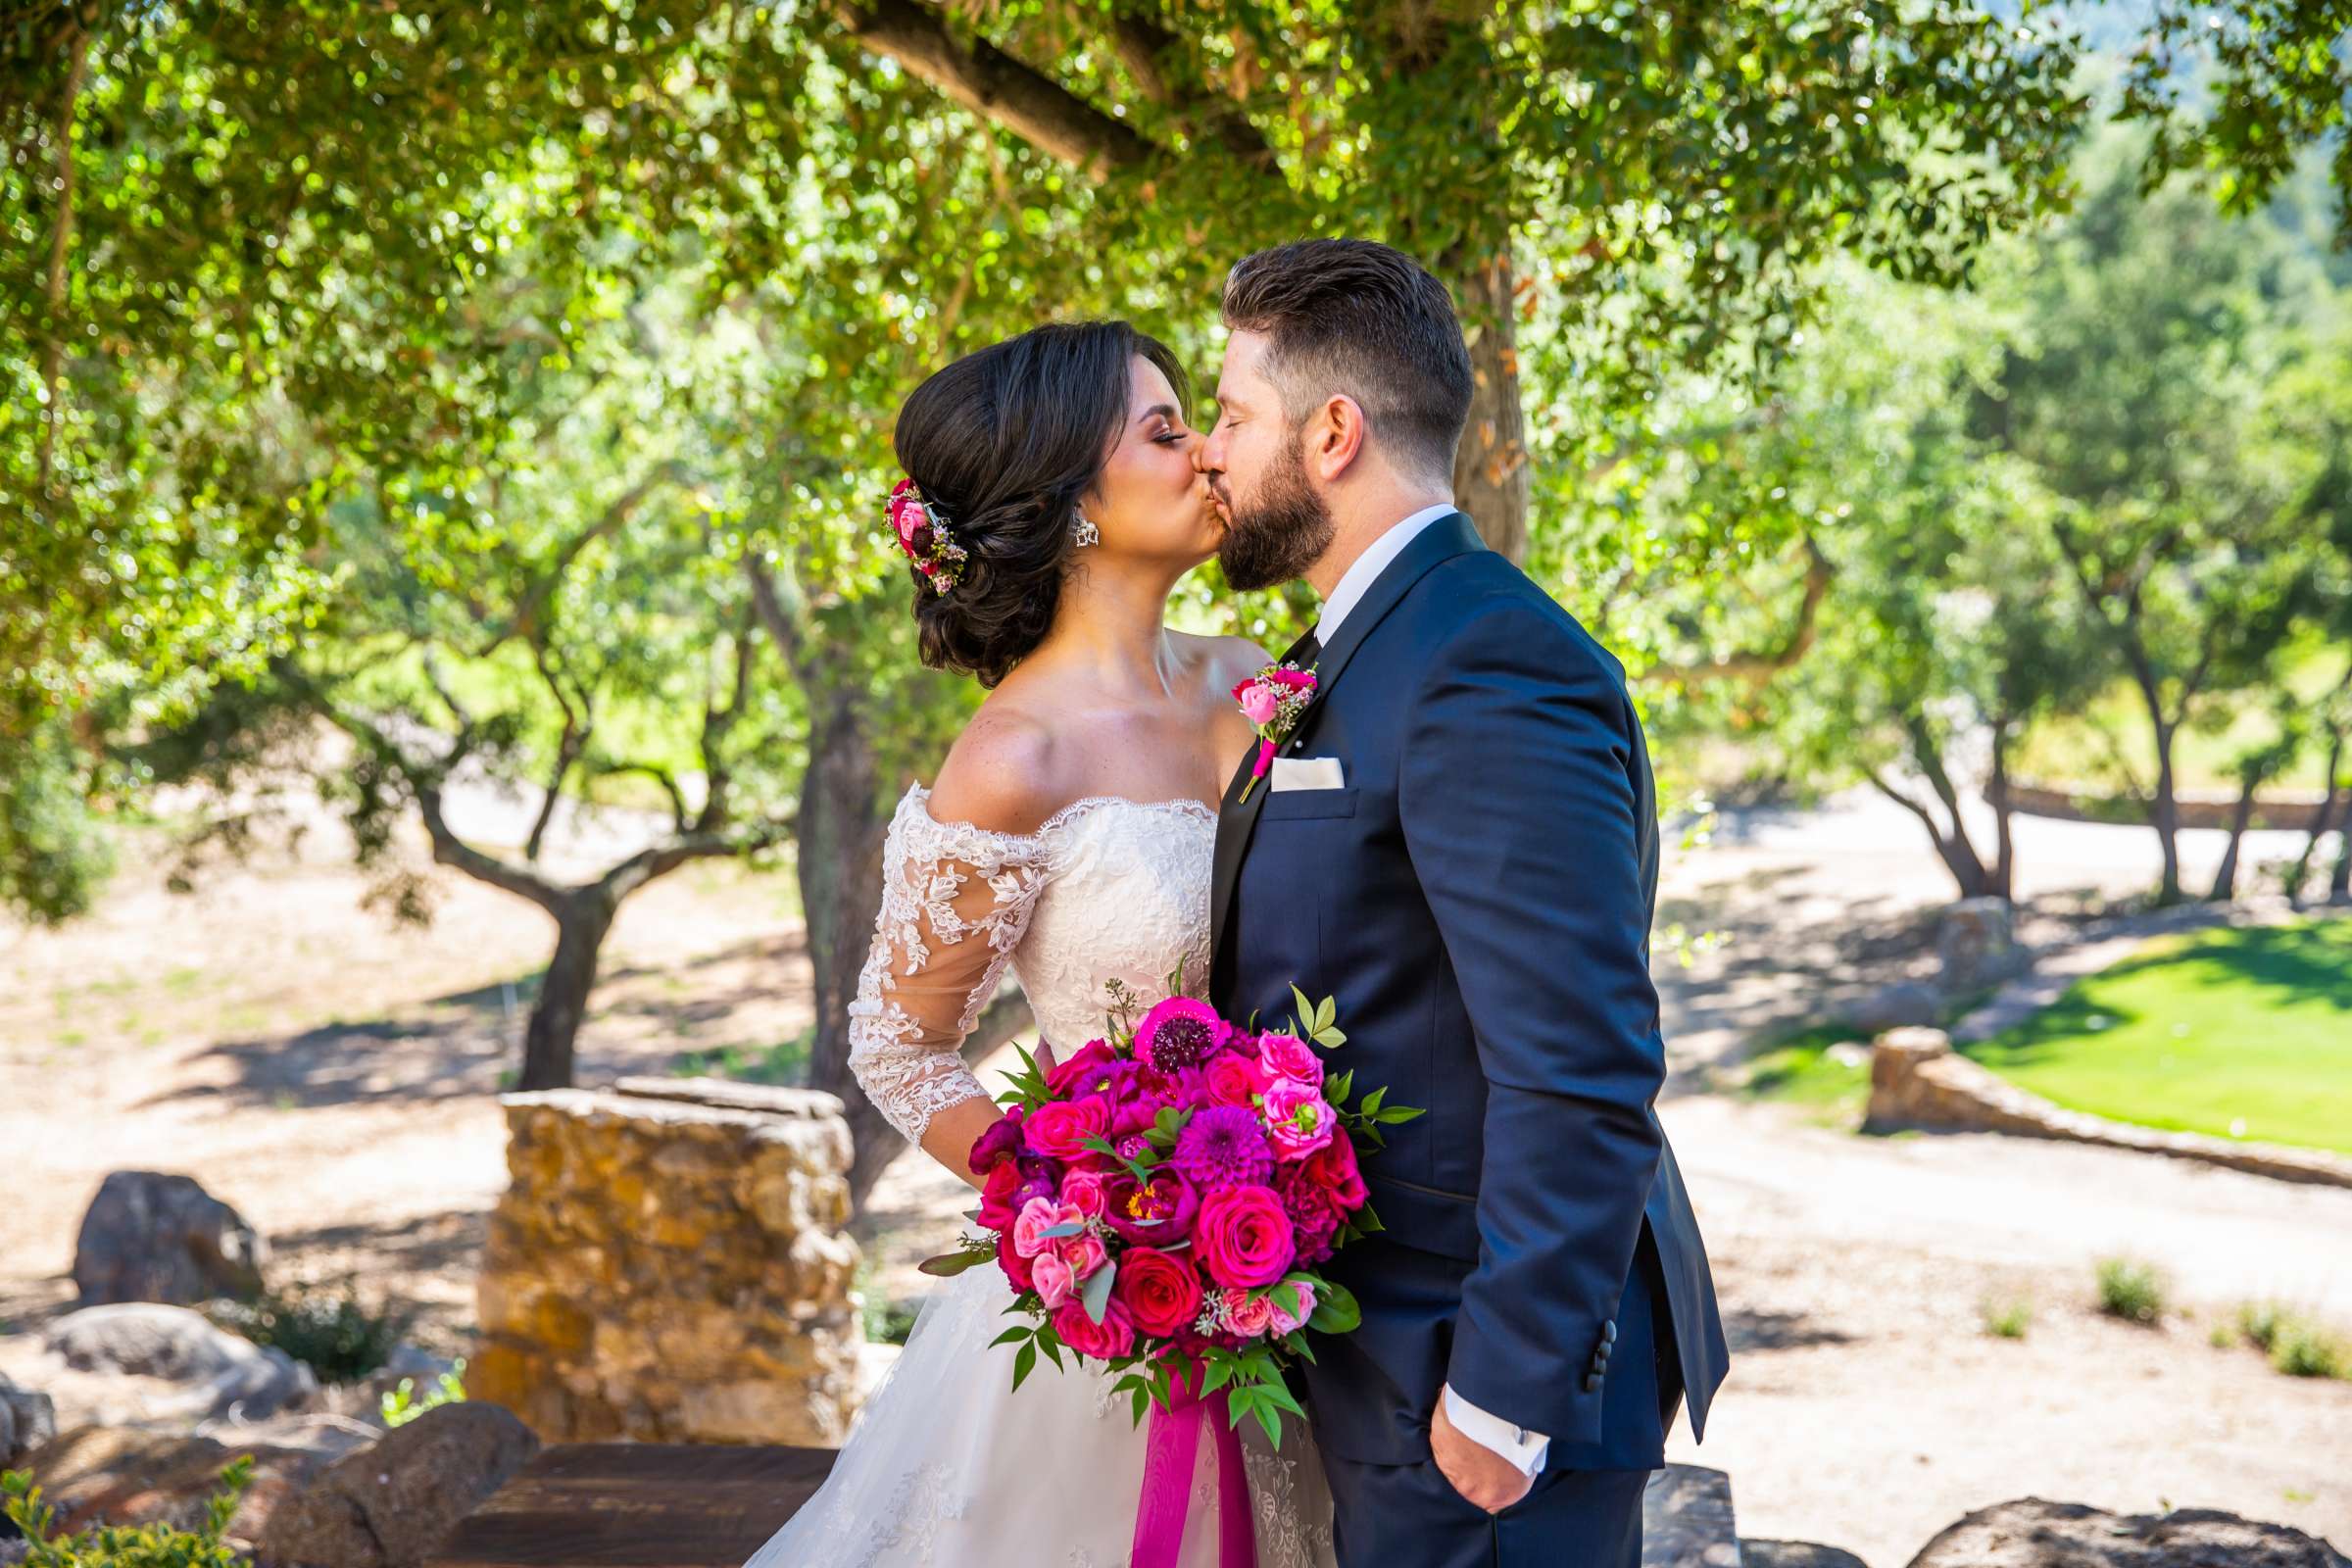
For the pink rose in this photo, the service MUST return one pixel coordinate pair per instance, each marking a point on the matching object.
(1288, 1056)
(1298, 1120)
(1083, 1190)
(1248, 1318)
(1258, 704)
(1231, 1080)
(1058, 1129)
(1105, 1340)
(1054, 1279)
(1243, 1237)
(1083, 1253)
(1037, 1216)
(1293, 1303)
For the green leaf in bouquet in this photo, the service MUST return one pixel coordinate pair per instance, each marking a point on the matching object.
(1368, 1221)
(1009, 1336)
(1068, 1227)
(1336, 1312)
(1023, 1364)
(1052, 1346)
(1369, 1106)
(948, 1265)
(1305, 1010)
(1095, 1296)
(1140, 1402)
(1336, 1087)
(1220, 1373)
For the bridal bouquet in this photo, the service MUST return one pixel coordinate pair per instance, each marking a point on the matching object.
(1160, 1200)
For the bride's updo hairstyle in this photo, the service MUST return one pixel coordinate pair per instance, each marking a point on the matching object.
(1001, 444)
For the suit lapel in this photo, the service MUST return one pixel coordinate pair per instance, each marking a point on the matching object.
(1237, 820)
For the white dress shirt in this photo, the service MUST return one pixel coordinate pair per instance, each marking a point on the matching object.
(1524, 1448)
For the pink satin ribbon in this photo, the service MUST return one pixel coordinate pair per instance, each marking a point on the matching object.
(1171, 1449)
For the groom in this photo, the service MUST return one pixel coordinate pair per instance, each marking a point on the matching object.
(1459, 842)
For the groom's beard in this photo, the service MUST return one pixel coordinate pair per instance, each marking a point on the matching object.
(1283, 530)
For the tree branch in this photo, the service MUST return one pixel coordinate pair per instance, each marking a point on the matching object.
(60, 238)
(1142, 45)
(996, 86)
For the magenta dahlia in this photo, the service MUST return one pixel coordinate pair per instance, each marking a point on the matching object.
(1223, 1146)
(1179, 1033)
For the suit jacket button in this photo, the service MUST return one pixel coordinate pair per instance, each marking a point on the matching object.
(1591, 1380)
(1608, 1332)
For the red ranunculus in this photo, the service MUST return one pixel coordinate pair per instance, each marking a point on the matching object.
(1014, 1265)
(1083, 1074)
(996, 1196)
(1243, 1237)
(1107, 1340)
(1162, 1292)
(1233, 1080)
(1333, 1168)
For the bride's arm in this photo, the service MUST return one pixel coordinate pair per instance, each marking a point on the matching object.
(960, 878)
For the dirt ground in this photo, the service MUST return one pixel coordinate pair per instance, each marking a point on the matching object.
(335, 1078)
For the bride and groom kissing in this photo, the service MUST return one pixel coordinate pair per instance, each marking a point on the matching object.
(1456, 839)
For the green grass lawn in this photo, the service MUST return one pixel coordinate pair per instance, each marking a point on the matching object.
(2244, 1033)
(1797, 1069)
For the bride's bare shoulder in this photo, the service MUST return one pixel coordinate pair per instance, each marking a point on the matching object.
(1003, 773)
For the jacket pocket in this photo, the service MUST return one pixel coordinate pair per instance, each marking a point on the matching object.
(1298, 805)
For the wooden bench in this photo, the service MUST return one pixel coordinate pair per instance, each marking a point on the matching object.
(637, 1505)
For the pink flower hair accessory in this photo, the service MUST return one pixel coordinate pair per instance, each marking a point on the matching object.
(923, 534)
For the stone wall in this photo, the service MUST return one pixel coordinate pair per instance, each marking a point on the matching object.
(1917, 1080)
(668, 1264)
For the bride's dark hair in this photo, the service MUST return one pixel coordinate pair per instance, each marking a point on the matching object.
(1003, 443)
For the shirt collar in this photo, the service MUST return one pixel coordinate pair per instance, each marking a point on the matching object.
(1358, 577)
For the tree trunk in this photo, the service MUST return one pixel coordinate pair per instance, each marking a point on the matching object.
(2319, 819)
(1997, 794)
(2339, 884)
(582, 922)
(841, 831)
(2163, 812)
(1490, 468)
(2225, 879)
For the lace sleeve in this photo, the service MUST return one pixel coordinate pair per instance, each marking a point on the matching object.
(955, 901)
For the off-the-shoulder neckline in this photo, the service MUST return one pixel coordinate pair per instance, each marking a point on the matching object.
(1180, 805)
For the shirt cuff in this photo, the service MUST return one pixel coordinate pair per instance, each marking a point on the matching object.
(1522, 1448)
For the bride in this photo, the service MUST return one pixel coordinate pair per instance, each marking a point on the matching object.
(1051, 505)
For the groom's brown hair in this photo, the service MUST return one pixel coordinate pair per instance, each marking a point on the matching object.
(1353, 317)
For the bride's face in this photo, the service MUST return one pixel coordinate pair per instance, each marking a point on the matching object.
(1151, 501)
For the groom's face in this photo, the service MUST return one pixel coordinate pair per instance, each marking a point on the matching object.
(1276, 524)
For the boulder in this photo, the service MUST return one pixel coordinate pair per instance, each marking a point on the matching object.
(389, 1505)
(1795, 1554)
(26, 1421)
(2031, 1533)
(219, 1373)
(151, 1236)
(1905, 1003)
(135, 1476)
(1687, 1519)
(1976, 943)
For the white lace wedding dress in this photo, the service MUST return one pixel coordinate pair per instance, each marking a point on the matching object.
(948, 1466)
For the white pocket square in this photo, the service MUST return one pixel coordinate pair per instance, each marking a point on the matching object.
(1307, 773)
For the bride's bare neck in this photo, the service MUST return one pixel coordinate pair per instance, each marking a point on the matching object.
(1108, 630)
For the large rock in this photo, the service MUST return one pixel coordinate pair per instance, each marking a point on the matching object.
(26, 1421)
(217, 1373)
(133, 1476)
(1687, 1519)
(388, 1505)
(1795, 1554)
(1894, 1007)
(2033, 1534)
(1976, 943)
(151, 1236)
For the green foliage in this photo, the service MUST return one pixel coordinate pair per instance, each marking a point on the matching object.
(2132, 1290)
(2294, 1344)
(332, 1331)
(2007, 1318)
(1799, 1070)
(399, 1405)
(128, 1545)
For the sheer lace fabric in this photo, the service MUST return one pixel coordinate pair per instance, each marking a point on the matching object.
(948, 1464)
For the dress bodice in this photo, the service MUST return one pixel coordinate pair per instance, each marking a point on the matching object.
(1106, 888)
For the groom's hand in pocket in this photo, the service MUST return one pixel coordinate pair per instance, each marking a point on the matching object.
(1476, 1471)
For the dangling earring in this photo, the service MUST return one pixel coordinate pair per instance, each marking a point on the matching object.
(1084, 530)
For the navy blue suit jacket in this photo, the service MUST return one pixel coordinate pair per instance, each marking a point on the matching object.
(1476, 895)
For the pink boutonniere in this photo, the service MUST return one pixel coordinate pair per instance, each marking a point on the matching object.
(1272, 701)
